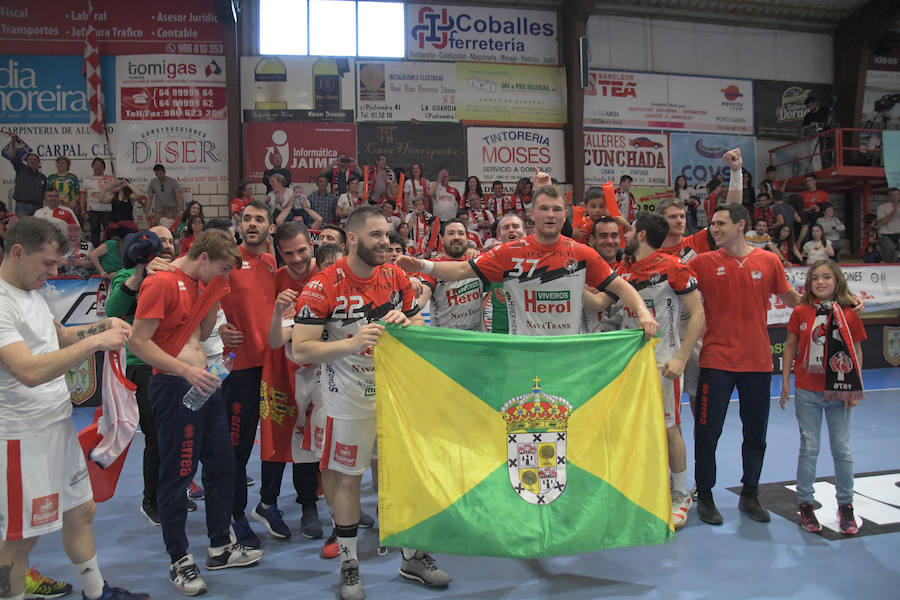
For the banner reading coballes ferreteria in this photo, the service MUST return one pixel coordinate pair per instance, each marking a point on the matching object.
(533, 446)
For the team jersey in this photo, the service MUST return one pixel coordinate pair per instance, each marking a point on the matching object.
(169, 297)
(608, 320)
(343, 303)
(67, 185)
(249, 306)
(456, 304)
(692, 245)
(736, 292)
(659, 279)
(544, 285)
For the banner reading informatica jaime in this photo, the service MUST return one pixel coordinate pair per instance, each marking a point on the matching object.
(481, 34)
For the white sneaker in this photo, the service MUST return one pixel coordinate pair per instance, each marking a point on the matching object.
(351, 587)
(185, 576)
(234, 555)
(681, 505)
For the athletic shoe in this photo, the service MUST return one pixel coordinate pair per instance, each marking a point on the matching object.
(708, 512)
(808, 520)
(114, 593)
(421, 567)
(681, 505)
(185, 576)
(754, 510)
(195, 492)
(694, 495)
(351, 584)
(365, 521)
(234, 555)
(331, 548)
(151, 513)
(244, 534)
(310, 527)
(847, 519)
(38, 586)
(191, 505)
(250, 481)
(273, 520)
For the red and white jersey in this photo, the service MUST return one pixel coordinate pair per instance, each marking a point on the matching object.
(343, 303)
(456, 304)
(691, 246)
(659, 279)
(544, 285)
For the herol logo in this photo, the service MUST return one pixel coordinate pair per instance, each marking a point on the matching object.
(344, 454)
(432, 28)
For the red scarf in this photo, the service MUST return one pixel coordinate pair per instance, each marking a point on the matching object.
(831, 350)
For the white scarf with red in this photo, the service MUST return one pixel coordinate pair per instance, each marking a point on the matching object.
(831, 350)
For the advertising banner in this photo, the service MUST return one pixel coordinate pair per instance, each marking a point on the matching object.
(50, 89)
(306, 149)
(191, 151)
(506, 154)
(780, 106)
(481, 34)
(272, 84)
(698, 156)
(406, 91)
(435, 146)
(511, 93)
(610, 154)
(630, 100)
(162, 26)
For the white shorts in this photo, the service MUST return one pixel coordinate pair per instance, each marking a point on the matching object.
(42, 477)
(348, 445)
(671, 398)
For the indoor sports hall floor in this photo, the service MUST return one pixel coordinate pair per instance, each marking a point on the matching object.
(742, 559)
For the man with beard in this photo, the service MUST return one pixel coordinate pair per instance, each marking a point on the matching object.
(278, 445)
(122, 302)
(248, 309)
(667, 286)
(509, 229)
(544, 261)
(455, 304)
(605, 240)
(344, 301)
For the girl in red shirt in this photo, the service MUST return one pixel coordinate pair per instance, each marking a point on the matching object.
(824, 334)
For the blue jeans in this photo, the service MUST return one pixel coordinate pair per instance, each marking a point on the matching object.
(809, 408)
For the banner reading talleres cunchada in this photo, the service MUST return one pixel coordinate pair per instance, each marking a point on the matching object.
(610, 154)
(631, 100)
(507, 154)
(172, 112)
(406, 91)
(435, 146)
(481, 34)
(306, 149)
(781, 105)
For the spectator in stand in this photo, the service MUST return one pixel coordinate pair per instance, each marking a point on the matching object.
(388, 209)
(627, 204)
(473, 187)
(501, 204)
(416, 186)
(787, 246)
(403, 231)
(762, 209)
(817, 248)
(99, 213)
(28, 191)
(323, 202)
(784, 213)
(163, 192)
(77, 261)
(445, 198)
(888, 222)
(59, 215)
(473, 237)
(6, 219)
(393, 193)
(342, 171)
(196, 229)
(281, 197)
(832, 227)
(524, 189)
(275, 159)
(716, 194)
(680, 192)
(107, 257)
(529, 226)
(813, 198)
(818, 115)
(182, 227)
(299, 210)
(121, 196)
(481, 221)
(348, 201)
(66, 184)
(758, 237)
(380, 175)
(242, 198)
(748, 197)
(769, 185)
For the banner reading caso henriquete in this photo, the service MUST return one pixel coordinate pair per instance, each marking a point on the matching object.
(479, 34)
(610, 154)
(506, 154)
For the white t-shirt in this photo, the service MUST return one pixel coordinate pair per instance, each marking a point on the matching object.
(445, 205)
(415, 189)
(24, 411)
(893, 225)
(213, 345)
(815, 251)
(94, 186)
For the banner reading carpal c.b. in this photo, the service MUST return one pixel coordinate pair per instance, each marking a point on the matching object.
(521, 452)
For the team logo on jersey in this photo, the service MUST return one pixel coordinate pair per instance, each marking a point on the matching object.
(891, 345)
(571, 265)
(394, 298)
(756, 275)
(536, 444)
(654, 278)
(720, 271)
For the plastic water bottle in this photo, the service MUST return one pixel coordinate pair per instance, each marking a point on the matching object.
(194, 399)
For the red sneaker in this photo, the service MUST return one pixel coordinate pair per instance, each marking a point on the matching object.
(331, 548)
(808, 520)
(847, 519)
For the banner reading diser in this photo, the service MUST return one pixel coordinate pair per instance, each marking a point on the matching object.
(506, 154)
(610, 154)
(306, 149)
(630, 100)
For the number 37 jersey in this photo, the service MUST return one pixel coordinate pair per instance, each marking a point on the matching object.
(544, 285)
(344, 303)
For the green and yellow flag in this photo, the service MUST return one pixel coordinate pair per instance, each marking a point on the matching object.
(519, 446)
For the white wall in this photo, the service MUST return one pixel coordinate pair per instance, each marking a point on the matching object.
(638, 44)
